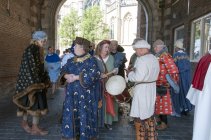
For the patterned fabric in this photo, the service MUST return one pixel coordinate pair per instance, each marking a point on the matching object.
(30, 93)
(163, 104)
(81, 101)
(145, 129)
(167, 66)
(181, 103)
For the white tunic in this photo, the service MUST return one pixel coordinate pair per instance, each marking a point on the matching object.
(202, 114)
(146, 70)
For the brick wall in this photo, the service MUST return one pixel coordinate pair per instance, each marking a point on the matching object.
(180, 16)
(15, 33)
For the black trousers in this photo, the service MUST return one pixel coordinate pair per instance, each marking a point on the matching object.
(163, 118)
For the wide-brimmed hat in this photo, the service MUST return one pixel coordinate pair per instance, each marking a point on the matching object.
(39, 35)
(141, 44)
(179, 44)
(115, 85)
(82, 41)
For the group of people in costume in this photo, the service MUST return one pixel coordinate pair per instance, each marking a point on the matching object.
(88, 106)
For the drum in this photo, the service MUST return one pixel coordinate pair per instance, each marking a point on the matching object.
(115, 85)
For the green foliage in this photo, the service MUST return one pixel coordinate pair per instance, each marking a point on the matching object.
(92, 26)
(69, 27)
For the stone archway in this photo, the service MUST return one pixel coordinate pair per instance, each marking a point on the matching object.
(49, 11)
(150, 26)
(149, 11)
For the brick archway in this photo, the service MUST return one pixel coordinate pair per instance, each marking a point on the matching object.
(50, 10)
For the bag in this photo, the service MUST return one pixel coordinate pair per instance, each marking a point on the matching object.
(131, 91)
(109, 104)
(161, 90)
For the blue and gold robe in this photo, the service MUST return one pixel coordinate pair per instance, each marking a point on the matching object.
(180, 101)
(81, 101)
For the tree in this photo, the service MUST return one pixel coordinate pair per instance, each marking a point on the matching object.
(69, 27)
(92, 24)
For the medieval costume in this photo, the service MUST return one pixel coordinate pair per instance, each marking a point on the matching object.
(181, 59)
(109, 104)
(163, 105)
(53, 64)
(199, 95)
(81, 101)
(145, 74)
(31, 87)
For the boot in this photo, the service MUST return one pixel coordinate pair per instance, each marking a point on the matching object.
(140, 133)
(25, 126)
(38, 131)
(162, 126)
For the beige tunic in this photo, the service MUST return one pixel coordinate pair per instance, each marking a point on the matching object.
(146, 70)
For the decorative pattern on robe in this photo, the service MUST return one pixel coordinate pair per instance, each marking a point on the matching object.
(183, 63)
(167, 66)
(31, 90)
(81, 101)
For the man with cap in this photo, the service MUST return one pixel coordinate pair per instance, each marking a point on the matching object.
(32, 83)
(163, 105)
(144, 74)
(81, 104)
(181, 59)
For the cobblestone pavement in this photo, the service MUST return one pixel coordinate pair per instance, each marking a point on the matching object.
(179, 128)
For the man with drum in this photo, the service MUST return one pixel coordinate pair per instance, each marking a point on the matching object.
(144, 74)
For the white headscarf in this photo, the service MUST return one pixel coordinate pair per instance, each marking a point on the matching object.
(141, 44)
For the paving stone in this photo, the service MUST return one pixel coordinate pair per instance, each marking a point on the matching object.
(179, 128)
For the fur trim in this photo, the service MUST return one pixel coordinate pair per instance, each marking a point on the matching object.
(29, 91)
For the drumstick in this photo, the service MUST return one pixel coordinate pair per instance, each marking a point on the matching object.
(109, 73)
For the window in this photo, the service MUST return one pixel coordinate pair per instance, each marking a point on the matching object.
(127, 28)
(112, 28)
(200, 37)
(179, 33)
